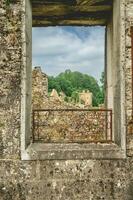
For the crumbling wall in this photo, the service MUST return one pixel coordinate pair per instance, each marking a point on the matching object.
(61, 126)
(51, 180)
(39, 88)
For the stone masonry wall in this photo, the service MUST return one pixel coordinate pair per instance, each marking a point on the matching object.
(39, 88)
(51, 180)
(128, 73)
(62, 126)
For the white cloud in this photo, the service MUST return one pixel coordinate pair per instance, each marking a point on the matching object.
(77, 48)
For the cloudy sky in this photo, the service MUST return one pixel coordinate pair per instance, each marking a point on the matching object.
(56, 49)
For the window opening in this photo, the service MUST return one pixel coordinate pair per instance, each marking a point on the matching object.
(68, 89)
(76, 13)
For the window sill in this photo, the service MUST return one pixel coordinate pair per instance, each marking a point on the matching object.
(74, 151)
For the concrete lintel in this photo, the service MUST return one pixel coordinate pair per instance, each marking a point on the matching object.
(41, 151)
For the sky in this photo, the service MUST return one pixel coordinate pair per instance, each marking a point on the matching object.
(56, 49)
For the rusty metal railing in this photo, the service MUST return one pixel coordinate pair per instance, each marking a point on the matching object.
(72, 125)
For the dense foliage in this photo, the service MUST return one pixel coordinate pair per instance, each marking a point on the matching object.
(71, 83)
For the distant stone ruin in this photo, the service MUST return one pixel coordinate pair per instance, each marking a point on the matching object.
(60, 126)
(39, 87)
(54, 95)
(85, 98)
(40, 97)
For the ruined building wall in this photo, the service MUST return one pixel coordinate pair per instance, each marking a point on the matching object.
(39, 88)
(51, 180)
(63, 127)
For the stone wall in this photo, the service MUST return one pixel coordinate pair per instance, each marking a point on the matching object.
(57, 179)
(61, 126)
(40, 97)
(39, 88)
(128, 74)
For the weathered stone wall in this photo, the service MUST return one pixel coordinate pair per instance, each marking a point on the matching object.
(71, 126)
(39, 88)
(128, 73)
(61, 126)
(10, 76)
(40, 97)
(51, 180)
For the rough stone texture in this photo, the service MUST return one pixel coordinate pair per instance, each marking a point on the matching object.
(72, 126)
(52, 180)
(10, 76)
(65, 126)
(40, 97)
(128, 74)
(39, 88)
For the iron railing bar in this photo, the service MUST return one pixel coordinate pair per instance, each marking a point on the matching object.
(77, 142)
(108, 114)
(33, 128)
(100, 110)
(38, 126)
(106, 126)
(111, 130)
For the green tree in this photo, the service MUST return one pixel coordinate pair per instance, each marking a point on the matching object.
(75, 97)
(71, 83)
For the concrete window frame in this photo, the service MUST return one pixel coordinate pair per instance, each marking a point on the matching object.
(115, 96)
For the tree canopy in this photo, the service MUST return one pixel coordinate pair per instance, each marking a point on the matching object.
(71, 83)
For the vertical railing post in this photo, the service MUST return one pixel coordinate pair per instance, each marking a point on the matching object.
(33, 126)
(38, 118)
(111, 130)
(106, 125)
